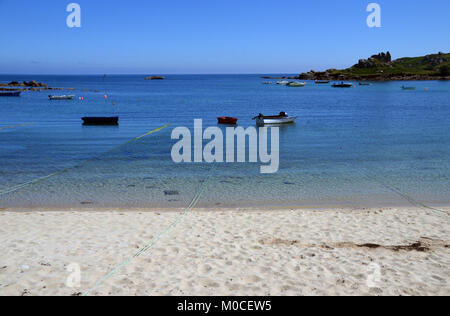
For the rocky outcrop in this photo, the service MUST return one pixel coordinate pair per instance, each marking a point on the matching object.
(381, 67)
(155, 78)
(31, 85)
(436, 59)
(382, 59)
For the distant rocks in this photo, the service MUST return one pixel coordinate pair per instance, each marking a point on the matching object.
(155, 78)
(28, 85)
(381, 67)
(280, 78)
(436, 59)
(382, 59)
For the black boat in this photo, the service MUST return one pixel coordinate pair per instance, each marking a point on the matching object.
(10, 94)
(100, 120)
(322, 81)
(342, 85)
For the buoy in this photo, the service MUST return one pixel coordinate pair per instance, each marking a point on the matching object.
(105, 96)
(81, 98)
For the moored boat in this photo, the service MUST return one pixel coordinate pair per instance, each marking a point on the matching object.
(114, 120)
(10, 94)
(61, 97)
(282, 118)
(322, 81)
(227, 120)
(365, 84)
(342, 85)
(408, 88)
(296, 84)
(282, 82)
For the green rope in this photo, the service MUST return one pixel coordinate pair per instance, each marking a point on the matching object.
(157, 237)
(23, 185)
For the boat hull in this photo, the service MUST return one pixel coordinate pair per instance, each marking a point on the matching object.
(61, 97)
(275, 121)
(100, 120)
(296, 84)
(342, 85)
(10, 94)
(227, 120)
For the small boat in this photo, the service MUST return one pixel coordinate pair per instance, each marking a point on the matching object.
(61, 97)
(408, 88)
(322, 81)
(283, 82)
(282, 118)
(100, 120)
(296, 84)
(227, 120)
(365, 84)
(342, 85)
(10, 94)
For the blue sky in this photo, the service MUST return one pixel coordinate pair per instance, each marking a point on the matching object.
(212, 36)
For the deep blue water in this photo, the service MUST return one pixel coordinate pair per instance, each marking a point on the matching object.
(374, 145)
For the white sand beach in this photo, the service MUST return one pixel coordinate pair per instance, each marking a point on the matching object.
(390, 251)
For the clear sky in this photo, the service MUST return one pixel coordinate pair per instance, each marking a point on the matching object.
(213, 36)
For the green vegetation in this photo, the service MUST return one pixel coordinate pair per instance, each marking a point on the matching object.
(430, 65)
(444, 71)
(381, 67)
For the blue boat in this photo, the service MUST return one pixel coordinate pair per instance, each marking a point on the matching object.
(10, 94)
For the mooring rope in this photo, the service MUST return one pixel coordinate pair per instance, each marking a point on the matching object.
(403, 195)
(12, 126)
(159, 236)
(23, 185)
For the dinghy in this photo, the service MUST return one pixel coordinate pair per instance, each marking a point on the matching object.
(100, 120)
(282, 118)
(408, 88)
(296, 84)
(342, 85)
(10, 94)
(61, 97)
(227, 120)
(322, 81)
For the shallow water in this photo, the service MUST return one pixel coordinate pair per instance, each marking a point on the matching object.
(365, 146)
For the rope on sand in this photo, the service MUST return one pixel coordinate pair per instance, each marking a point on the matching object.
(159, 236)
(23, 185)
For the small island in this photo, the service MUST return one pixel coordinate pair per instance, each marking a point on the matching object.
(381, 67)
(30, 86)
(155, 78)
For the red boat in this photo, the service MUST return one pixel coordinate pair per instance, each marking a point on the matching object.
(227, 120)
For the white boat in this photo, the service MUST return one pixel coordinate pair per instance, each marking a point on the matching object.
(282, 118)
(61, 97)
(283, 82)
(296, 84)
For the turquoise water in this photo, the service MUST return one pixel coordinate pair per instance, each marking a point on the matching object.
(366, 146)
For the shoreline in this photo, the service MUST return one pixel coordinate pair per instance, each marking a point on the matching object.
(217, 208)
(228, 252)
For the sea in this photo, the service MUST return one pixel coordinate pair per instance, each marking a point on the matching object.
(366, 146)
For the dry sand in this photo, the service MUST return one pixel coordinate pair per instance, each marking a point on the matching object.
(396, 251)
